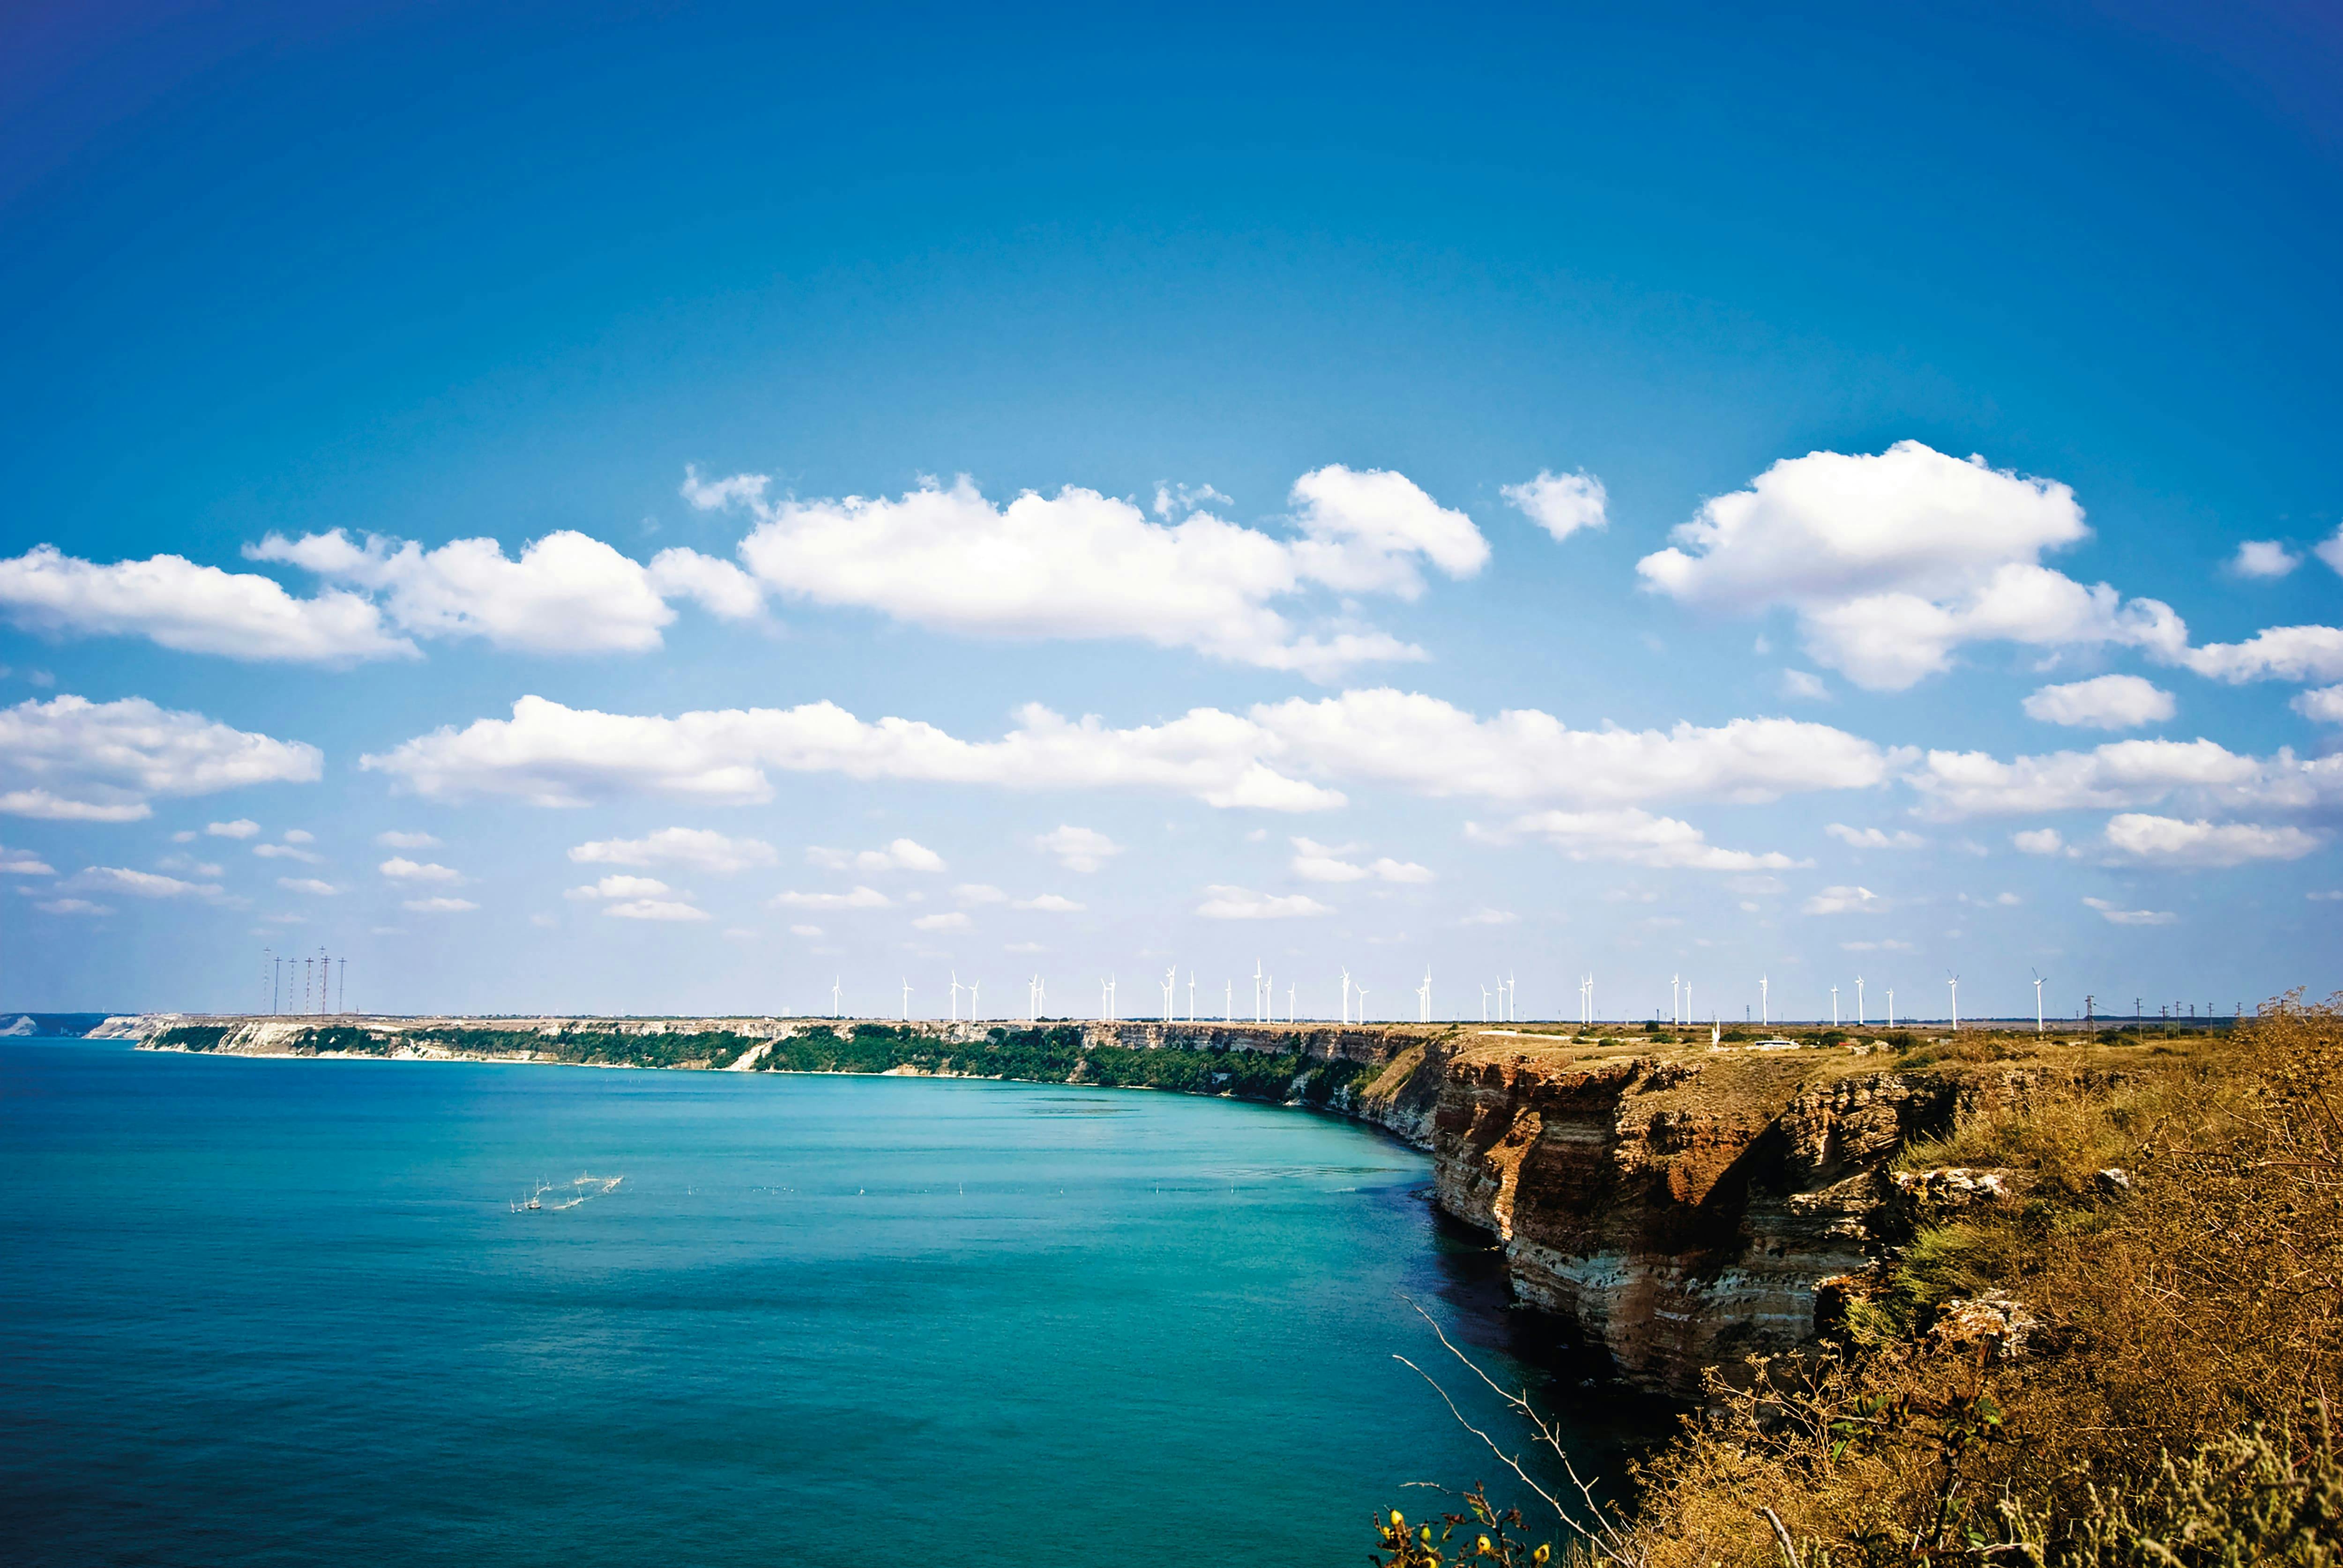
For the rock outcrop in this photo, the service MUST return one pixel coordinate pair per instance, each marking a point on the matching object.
(1679, 1210)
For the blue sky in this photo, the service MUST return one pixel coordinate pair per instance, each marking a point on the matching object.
(1337, 285)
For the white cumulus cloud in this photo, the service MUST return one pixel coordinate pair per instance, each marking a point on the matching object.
(1875, 838)
(1227, 903)
(242, 827)
(438, 905)
(718, 586)
(178, 605)
(1637, 838)
(901, 855)
(141, 884)
(2039, 841)
(1077, 849)
(1561, 504)
(655, 909)
(1316, 862)
(24, 863)
(307, 885)
(2330, 549)
(1844, 900)
(2263, 558)
(2277, 653)
(860, 899)
(566, 593)
(400, 869)
(2169, 840)
(1049, 903)
(1893, 562)
(701, 849)
(2324, 705)
(394, 839)
(622, 887)
(2108, 702)
(2118, 774)
(2116, 914)
(72, 759)
(552, 755)
(952, 922)
(1081, 565)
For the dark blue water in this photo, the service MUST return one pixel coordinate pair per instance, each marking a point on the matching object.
(280, 1311)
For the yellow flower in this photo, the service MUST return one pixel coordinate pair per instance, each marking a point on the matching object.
(1397, 1520)
(1541, 1554)
(1483, 1546)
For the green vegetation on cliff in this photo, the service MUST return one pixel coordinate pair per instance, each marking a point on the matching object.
(1054, 1054)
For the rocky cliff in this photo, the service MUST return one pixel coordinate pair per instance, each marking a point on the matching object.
(1679, 1210)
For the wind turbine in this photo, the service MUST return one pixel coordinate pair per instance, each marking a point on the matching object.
(1675, 1004)
(971, 999)
(1346, 996)
(1424, 997)
(1033, 998)
(955, 1002)
(2037, 1001)
(1289, 1001)
(1192, 996)
(1514, 997)
(1833, 1007)
(833, 997)
(1228, 1002)
(1485, 1004)
(1891, 1006)
(1859, 1001)
(1687, 1008)
(1256, 990)
(907, 1001)
(1955, 981)
(1764, 1003)
(1170, 980)
(1363, 1004)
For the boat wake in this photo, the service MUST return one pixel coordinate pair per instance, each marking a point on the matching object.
(565, 1195)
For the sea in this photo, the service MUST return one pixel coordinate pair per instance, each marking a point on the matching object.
(264, 1312)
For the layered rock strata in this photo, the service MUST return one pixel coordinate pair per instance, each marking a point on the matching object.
(1681, 1211)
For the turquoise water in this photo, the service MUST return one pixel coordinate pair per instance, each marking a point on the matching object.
(281, 1312)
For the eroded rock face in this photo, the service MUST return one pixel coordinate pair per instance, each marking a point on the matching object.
(1680, 1214)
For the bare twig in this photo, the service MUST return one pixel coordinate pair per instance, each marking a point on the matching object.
(1782, 1535)
(1609, 1540)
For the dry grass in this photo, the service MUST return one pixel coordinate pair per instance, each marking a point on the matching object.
(2205, 1302)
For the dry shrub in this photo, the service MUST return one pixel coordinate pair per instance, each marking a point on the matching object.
(2196, 1313)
